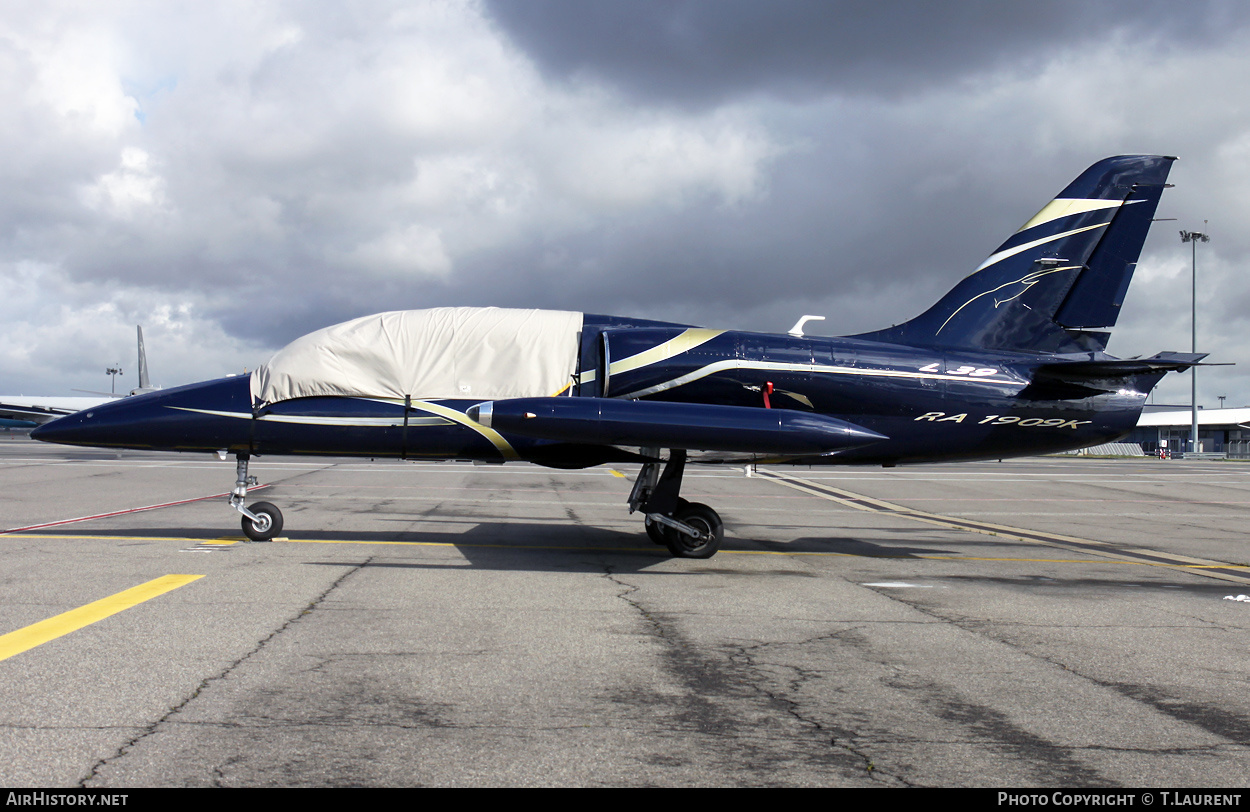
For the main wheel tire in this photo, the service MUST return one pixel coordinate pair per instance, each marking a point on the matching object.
(702, 518)
(270, 523)
(658, 532)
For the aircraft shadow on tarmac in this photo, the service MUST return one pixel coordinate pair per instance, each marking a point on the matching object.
(857, 548)
(545, 546)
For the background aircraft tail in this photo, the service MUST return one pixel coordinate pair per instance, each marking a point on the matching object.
(1057, 284)
(144, 382)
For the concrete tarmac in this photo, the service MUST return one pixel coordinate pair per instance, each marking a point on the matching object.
(1044, 622)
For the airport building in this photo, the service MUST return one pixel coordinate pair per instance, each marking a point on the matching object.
(1225, 432)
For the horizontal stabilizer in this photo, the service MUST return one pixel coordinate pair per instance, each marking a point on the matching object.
(1083, 371)
(1077, 379)
(661, 424)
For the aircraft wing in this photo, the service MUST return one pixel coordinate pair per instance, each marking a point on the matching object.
(14, 415)
(27, 412)
(664, 424)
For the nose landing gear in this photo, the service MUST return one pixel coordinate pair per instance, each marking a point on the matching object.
(687, 529)
(262, 521)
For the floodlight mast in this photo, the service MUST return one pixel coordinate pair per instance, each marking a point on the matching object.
(1193, 238)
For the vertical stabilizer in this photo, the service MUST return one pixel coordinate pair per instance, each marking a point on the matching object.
(144, 383)
(1057, 283)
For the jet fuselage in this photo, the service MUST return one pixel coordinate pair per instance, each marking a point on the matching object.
(928, 405)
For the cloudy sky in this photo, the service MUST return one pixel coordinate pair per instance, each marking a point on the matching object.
(232, 175)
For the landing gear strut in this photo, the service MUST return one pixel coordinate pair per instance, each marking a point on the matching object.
(262, 521)
(687, 529)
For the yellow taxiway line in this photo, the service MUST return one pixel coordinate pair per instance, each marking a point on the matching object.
(39, 633)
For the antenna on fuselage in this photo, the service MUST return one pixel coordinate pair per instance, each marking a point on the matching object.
(797, 329)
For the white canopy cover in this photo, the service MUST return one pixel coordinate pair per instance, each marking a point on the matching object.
(445, 352)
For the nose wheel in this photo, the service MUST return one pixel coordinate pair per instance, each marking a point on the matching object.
(264, 523)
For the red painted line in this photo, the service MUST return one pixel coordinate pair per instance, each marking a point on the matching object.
(124, 512)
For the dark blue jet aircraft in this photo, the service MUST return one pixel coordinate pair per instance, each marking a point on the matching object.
(1011, 362)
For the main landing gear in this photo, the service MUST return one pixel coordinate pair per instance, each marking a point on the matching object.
(687, 529)
(262, 521)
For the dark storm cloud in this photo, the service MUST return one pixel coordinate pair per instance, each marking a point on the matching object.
(831, 229)
(700, 52)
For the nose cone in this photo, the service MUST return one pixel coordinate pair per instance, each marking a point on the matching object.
(118, 424)
(57, 431)
(199, 417)
(109, 424)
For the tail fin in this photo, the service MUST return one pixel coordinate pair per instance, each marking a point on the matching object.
(1058, 282)
(144, 382)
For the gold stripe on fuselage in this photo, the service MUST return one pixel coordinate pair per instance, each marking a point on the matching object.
(685, 342)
